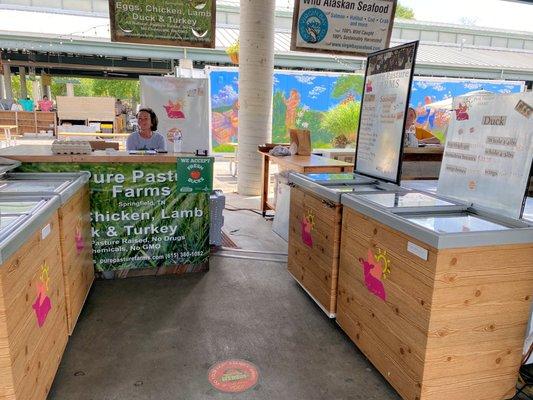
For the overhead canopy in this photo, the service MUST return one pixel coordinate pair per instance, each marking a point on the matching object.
(80, 45)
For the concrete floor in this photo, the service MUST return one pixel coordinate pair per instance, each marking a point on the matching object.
(156, 337)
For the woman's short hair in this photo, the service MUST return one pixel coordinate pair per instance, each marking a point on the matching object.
(153, 117)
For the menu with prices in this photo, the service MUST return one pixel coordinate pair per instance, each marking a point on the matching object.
(385, 99)
(489, 151)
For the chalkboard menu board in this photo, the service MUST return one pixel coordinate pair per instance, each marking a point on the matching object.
(489, 151)
(383, 110)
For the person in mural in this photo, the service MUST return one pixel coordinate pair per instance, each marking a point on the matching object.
(225, 124)
(147, 137)
(292, 104)
(410, 139)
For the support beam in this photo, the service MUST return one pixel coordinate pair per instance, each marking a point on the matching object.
(2, 89)
(7, 82)
(256, 68)
(23, 89)
(70, 89)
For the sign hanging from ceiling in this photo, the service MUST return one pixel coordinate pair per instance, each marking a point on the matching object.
(189, 23)
(348, 27)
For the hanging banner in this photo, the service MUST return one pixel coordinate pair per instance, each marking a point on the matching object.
(384, 106)
(140, 219)
(182, 107)
(188, 23)
(489, 151)
(342, 26)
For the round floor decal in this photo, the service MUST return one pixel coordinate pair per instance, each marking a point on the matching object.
(233, 376)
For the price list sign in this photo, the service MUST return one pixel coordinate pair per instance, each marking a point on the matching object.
(384, 105)
(489, 151)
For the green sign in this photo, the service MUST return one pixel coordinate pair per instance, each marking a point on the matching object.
(139, 218)
(171, 22)
(195, 174)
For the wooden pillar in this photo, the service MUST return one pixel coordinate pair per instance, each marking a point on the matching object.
(256, 67)
(7, 82)
(23, 89)
(70, 89)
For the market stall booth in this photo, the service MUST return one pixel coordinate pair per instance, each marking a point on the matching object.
(315, 207)
(150, 212)
(439, 300)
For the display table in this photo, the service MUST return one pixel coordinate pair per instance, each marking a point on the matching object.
(142, 221)
(303, 164)
(7, 133)
(418, 162)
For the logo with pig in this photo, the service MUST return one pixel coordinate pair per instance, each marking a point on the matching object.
(376, 268)
(307, 225)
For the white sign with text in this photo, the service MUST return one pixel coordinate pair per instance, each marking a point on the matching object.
(489, 151)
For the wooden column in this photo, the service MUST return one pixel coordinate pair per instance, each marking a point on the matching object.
(23, 89)
(256, 66)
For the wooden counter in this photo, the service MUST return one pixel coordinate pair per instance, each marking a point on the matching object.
(303, 164)
(40, 153)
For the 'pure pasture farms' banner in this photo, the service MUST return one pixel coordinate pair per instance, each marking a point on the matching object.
(171, 22)
(139, 217)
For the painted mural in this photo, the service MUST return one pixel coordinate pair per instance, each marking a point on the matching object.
(432, 100)
(328, 105)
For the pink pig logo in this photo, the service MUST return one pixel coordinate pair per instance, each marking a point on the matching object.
(78, 238)
(461, 112)
(375, 270)
(174, 110)
(307, 224)
(42, 304)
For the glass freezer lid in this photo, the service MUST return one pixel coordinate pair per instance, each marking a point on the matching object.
(347, 188)
(6, 221)
(456, 223)
(408, 199)
(19, 206)
(338, 178)
(21, 186)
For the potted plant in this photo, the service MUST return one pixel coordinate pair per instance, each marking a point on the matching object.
(233, 52)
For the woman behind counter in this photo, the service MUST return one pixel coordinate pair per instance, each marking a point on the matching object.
(147, 137)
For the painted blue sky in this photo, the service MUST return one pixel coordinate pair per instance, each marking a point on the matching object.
(315, 91)
(441, 90)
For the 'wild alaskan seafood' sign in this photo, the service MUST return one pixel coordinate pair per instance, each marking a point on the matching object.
(342, 26)
(188, 23)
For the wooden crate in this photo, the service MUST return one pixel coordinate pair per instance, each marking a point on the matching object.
(45, 121)
(76, 251)
(31, 348)
(314, 256)
(451, 327)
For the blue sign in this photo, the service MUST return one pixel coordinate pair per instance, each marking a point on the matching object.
(313, 25)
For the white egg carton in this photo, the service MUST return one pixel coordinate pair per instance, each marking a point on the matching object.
(71, 147)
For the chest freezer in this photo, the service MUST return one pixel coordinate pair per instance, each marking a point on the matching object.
(62, 184)
(411, 201)
(331, 186)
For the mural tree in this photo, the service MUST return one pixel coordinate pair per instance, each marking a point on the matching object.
(349, 86)
(342, 121)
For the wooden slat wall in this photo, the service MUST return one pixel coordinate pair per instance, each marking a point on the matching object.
(78, 269)
(315, 268)
(30, 355)
(452, 327)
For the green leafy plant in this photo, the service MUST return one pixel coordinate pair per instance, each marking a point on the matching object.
(342, 121)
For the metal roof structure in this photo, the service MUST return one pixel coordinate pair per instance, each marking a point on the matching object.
(51, 44)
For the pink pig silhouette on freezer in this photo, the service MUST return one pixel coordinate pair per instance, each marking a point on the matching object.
(373, 272)
(306, 232)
